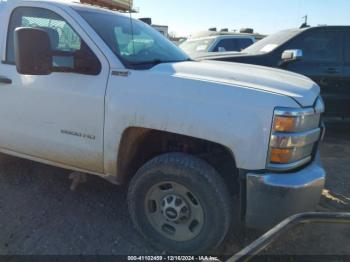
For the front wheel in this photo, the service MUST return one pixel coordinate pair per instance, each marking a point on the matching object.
(180, 204)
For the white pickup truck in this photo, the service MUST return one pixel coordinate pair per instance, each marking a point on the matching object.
(202, 146)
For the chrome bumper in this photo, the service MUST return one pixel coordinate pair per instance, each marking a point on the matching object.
(272, 197)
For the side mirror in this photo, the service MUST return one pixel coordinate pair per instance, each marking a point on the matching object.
(32, 51)
(292, 55)
(221, 49)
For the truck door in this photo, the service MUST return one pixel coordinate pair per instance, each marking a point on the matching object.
(322, 62)
(346, 80)
(58, 117)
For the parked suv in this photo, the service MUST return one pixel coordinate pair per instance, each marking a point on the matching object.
(321, 53)
(202, 146)
(216, 43)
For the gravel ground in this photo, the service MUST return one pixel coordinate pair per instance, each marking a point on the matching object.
(40, 215)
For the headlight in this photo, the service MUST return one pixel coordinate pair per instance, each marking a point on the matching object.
(294, 135)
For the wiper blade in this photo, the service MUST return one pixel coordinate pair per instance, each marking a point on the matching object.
(157, 61)
(150, 62)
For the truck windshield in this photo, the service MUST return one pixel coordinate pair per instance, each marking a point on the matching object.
(136, 44)
(270, 43)
(196, 45)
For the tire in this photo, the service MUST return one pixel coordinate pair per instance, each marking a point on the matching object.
(195, 185)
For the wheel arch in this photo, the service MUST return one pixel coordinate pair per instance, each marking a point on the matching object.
(138, 145)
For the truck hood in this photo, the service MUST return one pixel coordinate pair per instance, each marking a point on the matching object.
(300, 88)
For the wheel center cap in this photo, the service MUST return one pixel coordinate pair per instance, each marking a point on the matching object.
(171, 213)
(174, 208)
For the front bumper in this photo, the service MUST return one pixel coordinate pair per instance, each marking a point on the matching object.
(272, 197)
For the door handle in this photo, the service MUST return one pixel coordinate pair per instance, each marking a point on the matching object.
(332, 70)
(5, 80)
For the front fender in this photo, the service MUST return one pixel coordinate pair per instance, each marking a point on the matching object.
(236, 117)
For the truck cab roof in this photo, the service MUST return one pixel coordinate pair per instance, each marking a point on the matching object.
(75, 3)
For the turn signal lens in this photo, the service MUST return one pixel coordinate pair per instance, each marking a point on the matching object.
(284, 124)
(281, 156)
(290, 155)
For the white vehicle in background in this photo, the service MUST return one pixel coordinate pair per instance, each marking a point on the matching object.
(228, 42)
(202, 146)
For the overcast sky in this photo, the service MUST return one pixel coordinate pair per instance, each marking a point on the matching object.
(265, 16)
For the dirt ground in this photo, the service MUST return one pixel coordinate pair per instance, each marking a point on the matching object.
(40, 215)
